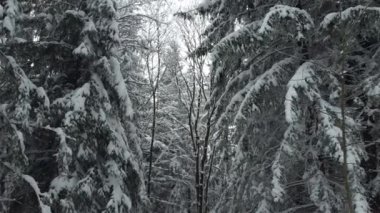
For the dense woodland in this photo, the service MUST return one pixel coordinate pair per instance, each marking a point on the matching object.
(172, 106)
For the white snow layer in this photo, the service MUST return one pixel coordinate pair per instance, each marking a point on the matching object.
(300, 80)
(284, 11)
(348, 13)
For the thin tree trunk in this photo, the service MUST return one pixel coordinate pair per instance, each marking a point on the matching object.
(197, 182)
(344, 146)
(204, 157)
(343, 125)
(151, 143)
(155, 85)
(208, 179)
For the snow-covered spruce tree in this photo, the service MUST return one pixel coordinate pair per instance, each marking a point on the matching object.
(69, 144)
(308, 59)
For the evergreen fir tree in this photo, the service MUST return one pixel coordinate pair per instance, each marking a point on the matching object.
(68, 108)
(295, 57)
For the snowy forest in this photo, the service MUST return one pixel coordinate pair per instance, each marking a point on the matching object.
(189, 106)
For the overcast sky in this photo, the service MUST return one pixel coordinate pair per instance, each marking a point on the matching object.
(184, 4)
